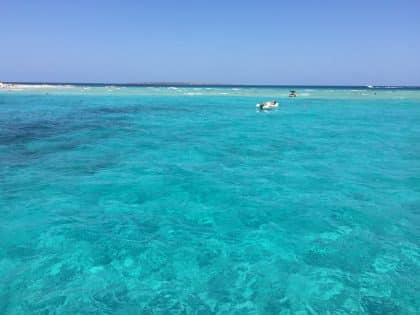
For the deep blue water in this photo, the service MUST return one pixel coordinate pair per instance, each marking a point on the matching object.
(148, 200)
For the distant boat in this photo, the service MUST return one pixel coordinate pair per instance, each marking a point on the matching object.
(292, 93)
(370, 86)
(267, 105)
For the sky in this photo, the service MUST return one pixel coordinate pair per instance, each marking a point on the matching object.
(239, 42)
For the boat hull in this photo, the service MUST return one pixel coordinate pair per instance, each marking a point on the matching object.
(266, 106)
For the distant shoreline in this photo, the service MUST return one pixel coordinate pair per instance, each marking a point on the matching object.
(13, 85)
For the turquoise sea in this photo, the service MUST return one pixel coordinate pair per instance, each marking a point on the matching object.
(186, 200)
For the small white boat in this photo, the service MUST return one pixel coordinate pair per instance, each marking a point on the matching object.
(267, 105)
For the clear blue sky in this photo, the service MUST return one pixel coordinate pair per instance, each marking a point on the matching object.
(257, 42)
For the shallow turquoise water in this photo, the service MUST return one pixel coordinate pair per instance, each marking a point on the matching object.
(189, 201)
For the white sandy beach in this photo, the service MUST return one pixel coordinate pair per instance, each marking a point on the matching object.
(19, 86)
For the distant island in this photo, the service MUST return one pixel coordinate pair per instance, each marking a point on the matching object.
(18, 85)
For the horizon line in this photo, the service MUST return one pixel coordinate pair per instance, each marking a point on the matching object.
(170, 83)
